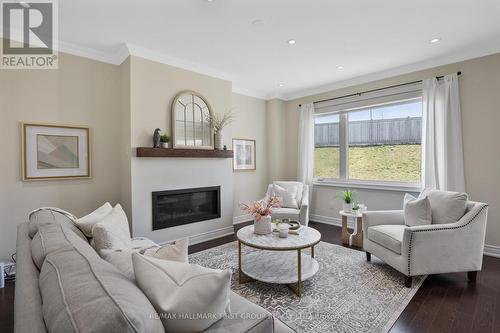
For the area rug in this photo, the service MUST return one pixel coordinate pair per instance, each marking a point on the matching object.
(348, 294)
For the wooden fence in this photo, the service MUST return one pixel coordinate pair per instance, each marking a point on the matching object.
(372, 132)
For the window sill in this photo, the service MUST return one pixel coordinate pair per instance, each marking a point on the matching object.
(385, 186)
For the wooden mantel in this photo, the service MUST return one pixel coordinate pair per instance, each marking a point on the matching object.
(170, 152)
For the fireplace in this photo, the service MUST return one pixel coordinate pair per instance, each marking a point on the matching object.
(178, 207)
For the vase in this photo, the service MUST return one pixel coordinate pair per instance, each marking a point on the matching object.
(218, 141)
(164, 144)
(347, 207)
(263, 226)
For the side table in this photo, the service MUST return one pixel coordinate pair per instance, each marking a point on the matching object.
(356, 238)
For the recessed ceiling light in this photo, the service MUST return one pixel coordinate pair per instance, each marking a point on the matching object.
(291, 41)
(340, 67)
(435, 40)
(210, 0)
(257, 23)
(281, 85)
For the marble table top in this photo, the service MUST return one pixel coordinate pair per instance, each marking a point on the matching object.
(307, 237)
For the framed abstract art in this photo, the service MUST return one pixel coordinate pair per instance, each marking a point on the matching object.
(244, 155)
(55, 152)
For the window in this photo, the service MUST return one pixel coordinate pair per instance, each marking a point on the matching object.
(375, 143)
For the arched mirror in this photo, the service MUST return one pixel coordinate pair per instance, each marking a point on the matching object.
(189, 122)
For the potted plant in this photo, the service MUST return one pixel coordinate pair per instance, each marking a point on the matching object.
(347, 197)
(261, 211)
(217, 122)
(164, 140)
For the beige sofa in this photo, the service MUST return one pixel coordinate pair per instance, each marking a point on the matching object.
(76, 290)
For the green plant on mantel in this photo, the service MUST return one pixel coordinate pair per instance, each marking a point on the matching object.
(165, 138)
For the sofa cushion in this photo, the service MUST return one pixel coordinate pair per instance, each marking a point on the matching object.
(261, 321)
(447, 207)
(112, 232)
(388, 236)
(182, 291)
(417, 211)
(177, 251)
(299, 186)
(87, 222)
(46, 215)
(54, 237)
(85, 294)
(286, 213)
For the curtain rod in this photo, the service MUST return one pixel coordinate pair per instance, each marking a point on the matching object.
(374, 90)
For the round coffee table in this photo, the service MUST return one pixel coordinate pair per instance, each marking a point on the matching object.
(281, 259)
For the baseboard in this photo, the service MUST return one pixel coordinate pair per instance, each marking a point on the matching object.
(206, 236)
(492, 250)
(242, 219)
(330, 220)
(489, 250)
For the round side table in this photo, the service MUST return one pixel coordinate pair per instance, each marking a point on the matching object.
(356, 238)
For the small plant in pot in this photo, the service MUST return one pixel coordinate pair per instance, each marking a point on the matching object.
(347, 197)
(261, 211)
(164, 140)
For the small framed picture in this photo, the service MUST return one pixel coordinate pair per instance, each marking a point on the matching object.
(244, 155)
(55, 152)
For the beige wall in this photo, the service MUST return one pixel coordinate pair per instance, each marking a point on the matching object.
(480, 103)
(277, 136)
(250, 123)
(80, 92)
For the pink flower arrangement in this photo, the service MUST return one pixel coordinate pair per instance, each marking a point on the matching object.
(261, 208)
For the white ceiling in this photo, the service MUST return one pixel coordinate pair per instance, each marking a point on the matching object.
(367, 37)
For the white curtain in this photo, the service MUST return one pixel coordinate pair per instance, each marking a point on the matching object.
(442, 157)
(306, 144)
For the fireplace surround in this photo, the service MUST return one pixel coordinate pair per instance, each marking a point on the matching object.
(178, 207)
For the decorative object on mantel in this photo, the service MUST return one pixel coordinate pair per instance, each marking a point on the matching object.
(218, 122)
(190, 128)
(347, 197)
(261, 211)
(156, 138)
(244, 155)
(55, 152)
(164, 141)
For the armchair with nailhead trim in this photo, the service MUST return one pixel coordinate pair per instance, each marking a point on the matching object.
(427, 249)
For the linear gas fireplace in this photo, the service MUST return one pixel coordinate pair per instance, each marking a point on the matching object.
(178, 207)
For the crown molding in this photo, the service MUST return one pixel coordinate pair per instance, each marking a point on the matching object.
(466, 54)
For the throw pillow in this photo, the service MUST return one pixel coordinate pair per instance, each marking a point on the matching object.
(122, 260)
(288, 195)
(112, 232)
(417, 211)
(447, 207)
(178, 251)
(87, 222)
(180, 292)
(300, 188)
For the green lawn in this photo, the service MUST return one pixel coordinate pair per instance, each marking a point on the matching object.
(391, 163)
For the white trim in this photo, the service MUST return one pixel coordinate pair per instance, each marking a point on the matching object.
(398, 187)
(242, 219)
(492, 251)
(454, 57)
(336, 221)
(206, 236)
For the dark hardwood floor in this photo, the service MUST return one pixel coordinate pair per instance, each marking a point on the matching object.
(444, 303)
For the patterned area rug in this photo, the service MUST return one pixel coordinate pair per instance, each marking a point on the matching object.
(348, 294)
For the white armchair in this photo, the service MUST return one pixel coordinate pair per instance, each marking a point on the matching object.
(427, 249)
(301, 213)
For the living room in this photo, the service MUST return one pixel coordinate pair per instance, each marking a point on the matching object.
(311, 167)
